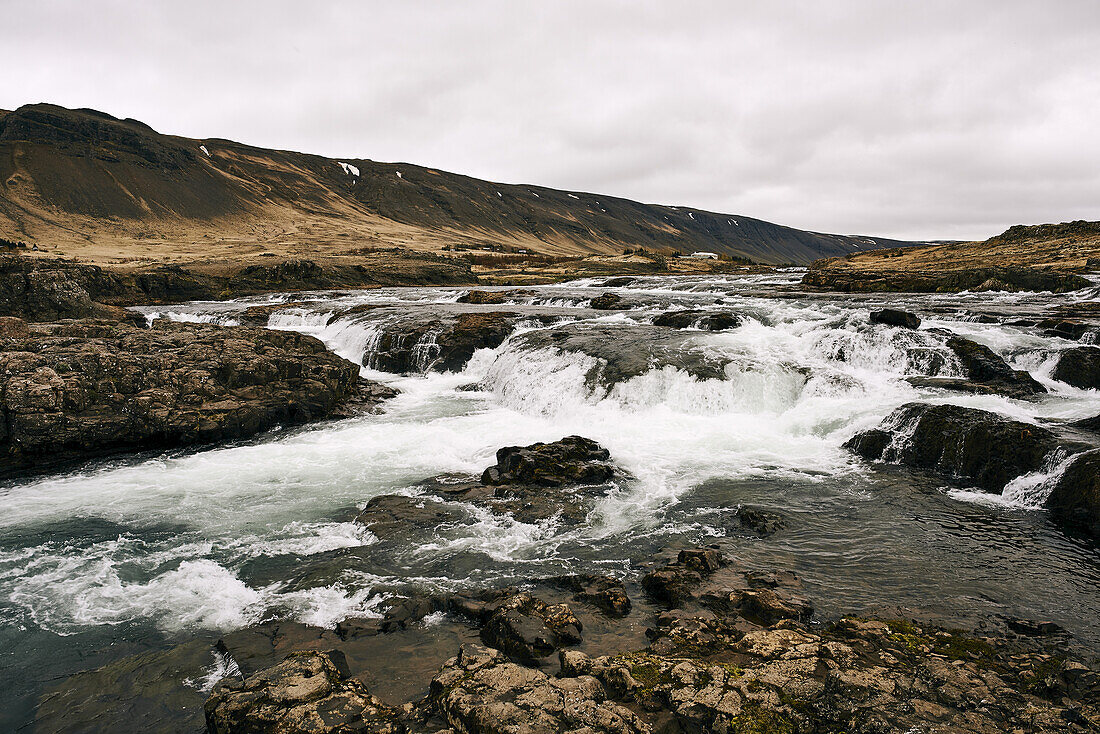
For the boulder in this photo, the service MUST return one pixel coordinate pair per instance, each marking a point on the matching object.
(307, 693)
(699, 319)
(975, 445)
(895, 317)
(606, 302)
(528, 628)
(619, 282)
(604, 592)
(1075, 500)
(440, 345)
(390, 514)
(12, 327)
(74, 390)
(760, 522)
(985, 367)
(1080, 367)
(572, 460)
(482, 692)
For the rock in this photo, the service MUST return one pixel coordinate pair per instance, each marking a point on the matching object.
(572, 460)
(367, 398)
(606, 302)
(604, 592)
(761, 522)
(974, 445)
(482, 692)
(619, 282)
(308, 693)
(835, 274)
(74, 390)
(1088, 424)
(440, 345)
(12, 327)
(491, 297)
(895, 317)
(391, 514)
(261, 315)
(624, 351)
(676, 582)
(1075, 500)
(1065, 328)
(1080, 367)
(527, 628)
(984, 367)
(697, 318)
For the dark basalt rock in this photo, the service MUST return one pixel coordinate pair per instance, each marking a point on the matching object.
(832, 274)
(1065, 328)
(705, 320)
(761, 522)
(440, 345)
(1075, 500)
(606, 302)
(1088, 424)
(528, 628)
(390, 514)
(603, 592)
(971, 444)
(895, 317)
(986, 368)
(617, 282)
(74, 390)
(1080, 367)
(572, 460)
(307, 693)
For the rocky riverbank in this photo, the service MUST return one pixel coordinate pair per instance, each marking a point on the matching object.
(77, 389)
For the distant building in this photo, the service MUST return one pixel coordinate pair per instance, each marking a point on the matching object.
(704, 255)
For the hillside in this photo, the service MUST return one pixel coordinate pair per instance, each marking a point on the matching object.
(1025, 257)
(83, 183)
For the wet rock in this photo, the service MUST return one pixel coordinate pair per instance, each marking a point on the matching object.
(390, 514)
(834, 274)
(261, 315)
(699, 319)
(761, 522)
(572, 460)
(985, 367)
(1080, 367)
(895, 317)
(491, 297)
(975, 445)
(1065, 328)
(308, 693)
(606, 302)
(1088, 424)
(368, 398)
(440, 345)
(603, 592)
(482, 692)
(624, 352)
(527, 628)
(1075, 500)
(676, 582)
(617, 282)
(73, 390)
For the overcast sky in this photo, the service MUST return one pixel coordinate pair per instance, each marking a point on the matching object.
(912, 119)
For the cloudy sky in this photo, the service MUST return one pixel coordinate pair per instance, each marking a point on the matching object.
(910, 119)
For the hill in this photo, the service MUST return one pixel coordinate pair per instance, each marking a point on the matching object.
(83, 183)
(1024, 257)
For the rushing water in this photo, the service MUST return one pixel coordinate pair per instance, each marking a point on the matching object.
(139, 553)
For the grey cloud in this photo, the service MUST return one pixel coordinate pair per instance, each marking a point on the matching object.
(924, 120)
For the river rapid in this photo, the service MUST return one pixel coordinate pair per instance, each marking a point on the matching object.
(139, 553)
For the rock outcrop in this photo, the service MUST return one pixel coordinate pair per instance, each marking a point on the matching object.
(606, 302)
(1080, 367)
(895, 317)
(572, 460)
(440, 345)
(970, 444)
(73, 390)
(1075, 500)
(699, 319)
(986, 372)
(834, 274)
(307, 693)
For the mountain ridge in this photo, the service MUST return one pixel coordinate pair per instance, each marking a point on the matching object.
(86, 181)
